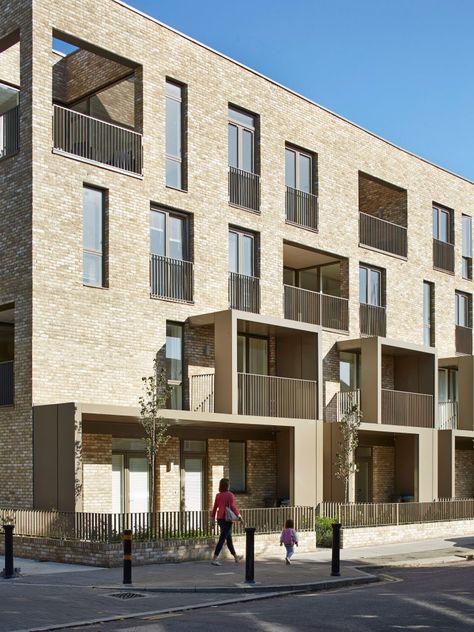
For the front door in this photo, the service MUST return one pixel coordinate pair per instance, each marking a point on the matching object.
(130, 481)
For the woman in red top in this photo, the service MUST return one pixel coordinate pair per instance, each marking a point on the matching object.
(224, 498)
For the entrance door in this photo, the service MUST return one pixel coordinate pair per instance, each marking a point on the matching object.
(138, 484)
(193, 483)
(362, 482)
(130, 479)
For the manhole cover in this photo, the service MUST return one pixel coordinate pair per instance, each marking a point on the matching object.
(126, 595)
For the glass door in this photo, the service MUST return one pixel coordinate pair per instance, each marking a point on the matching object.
(138, 484)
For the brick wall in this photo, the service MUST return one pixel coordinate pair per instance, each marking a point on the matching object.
(464, 482)
(168, 476)
(383, 473)
(218, 466)
(388, 372)
(261, 475)
(382, 200)
(97, 472)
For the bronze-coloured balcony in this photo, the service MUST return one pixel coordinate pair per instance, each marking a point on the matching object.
(372, 320)
(407, 409)
(244, 292)
(97, 141)
(447, 415)
(269, 396)
(463, 340)
(382, 235)
(171, 279)
(10, 132)
(316, 308)
(244, 189)
(6, 383)
(301, 208)
(443, 256)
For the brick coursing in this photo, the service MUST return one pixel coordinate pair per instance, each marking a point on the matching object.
(97, 472)
(383, 473)
(464, 476)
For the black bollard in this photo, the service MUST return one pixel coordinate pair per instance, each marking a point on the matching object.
(127, 556)
(8, 571)
(336, 545)
(250, 555)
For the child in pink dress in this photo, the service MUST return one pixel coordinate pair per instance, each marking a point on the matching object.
(289, 538)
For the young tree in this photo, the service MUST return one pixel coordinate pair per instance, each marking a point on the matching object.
(345, 464)
(155, 397)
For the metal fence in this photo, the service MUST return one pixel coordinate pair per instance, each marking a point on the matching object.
(447, 415)
(301, 208)
(164, 525)
(244, 292)
(171, 278)
(383, 235)
(407, 409)
(10, 132)
(463, 339)
(244, 189)
(384, 514)
(443, 255)
(316, 308)
(201, 393)
(372, 320)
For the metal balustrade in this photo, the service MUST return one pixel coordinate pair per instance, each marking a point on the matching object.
(447, 415)
(201, 393)
(443, 255)
(10, 132)
(463, 340)
(402, 408)
(171, 278)
(271, 396)
(244, 292)
(316, 308)
(372, 320)
(382, 235)
(301, 208)
(244, 189)
(94, 140)
(7, 384)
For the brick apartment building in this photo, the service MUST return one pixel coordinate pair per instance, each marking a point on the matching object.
(158, 198)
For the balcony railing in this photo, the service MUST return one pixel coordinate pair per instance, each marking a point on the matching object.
(372, 320)
(443, 255)
(447, 415)
(463, 339)
(6, 383)
(269, 396)
(97, 141)
(171, 278)
(407, 409)
(201, 393)
(244, 189)
(244, 292)
(346, 402)
(316, 308)
(10, 132)
(301, 208)
(383, 235)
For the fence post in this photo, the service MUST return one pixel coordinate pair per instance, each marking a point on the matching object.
(336, 545)
(127, 556)
(250, 555)
(9, 570)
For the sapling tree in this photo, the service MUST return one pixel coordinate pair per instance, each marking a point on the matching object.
(345, 464)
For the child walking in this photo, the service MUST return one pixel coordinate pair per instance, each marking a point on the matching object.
(289, 538)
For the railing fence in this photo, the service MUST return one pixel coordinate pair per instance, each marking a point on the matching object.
(382, 235)
(171, 278)
(201, 393)
(447, 415)
(407, 409)
(443, 255)
(244, 292)
(244, 189)
(316, 308)
(372, 320)
(301, 208)
(7, 386)
(10, 132)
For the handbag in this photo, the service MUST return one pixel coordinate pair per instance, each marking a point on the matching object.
(230, 516)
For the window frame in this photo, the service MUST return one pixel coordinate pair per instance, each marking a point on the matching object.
(240, 251)
(181, 159)
(466, 259)
(173, 382)
(241, 128)
(438, 211)
(244, 490)
(168, 214)
(297, 154)
(248, 337)
(96, 253)
(380, 272)
(467, 311)
(429, 324)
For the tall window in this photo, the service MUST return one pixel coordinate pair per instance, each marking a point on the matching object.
(349, 371)
(466, 247)
(174, 363)
(428, 314)
(242, 253)
(442, 224)
(168, 234)
(237, 469)
(252, 354)
(370, 286)
(448, 385)
(241, 140)
(298, 170)
(463, 309)
(174, 135)
(93, 236)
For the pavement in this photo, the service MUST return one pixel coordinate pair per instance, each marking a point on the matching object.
(191, 585)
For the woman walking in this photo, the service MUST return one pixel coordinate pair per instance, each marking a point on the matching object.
(224, 499)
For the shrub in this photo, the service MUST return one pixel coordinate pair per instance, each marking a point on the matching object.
(324, 531)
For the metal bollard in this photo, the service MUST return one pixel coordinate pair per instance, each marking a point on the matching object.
(9, 570)
(250, 555)
(127, 556)
(336, 545)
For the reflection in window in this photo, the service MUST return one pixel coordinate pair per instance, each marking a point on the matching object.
(93, 237)
(174, 363)
(174, 134)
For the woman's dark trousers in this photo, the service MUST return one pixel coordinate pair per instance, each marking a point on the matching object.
(225, 536)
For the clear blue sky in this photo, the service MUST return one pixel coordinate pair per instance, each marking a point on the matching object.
(403, 69)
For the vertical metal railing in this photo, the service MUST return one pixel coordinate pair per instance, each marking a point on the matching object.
(271, 396)
(7, 383)
(171, 278)
(301, 208)
(244, 189)
(372, 320)
(244, 292)
(92, 139)
(316, 308)
(201, 393)
(383, 235)
(447, 415)
(463, 339)
(443, 255)
(10, 132)
(346, 401)
(407, 409)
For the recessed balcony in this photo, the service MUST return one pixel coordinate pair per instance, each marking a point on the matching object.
(383, 235)
(331, 312)
(171, 279)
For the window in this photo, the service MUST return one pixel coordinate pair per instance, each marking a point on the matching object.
(252, 354)
(174, 363)
(242, 253)
(349, 371)
(298, 170)
(428, 314)
(237, 462)
(130, 476)
(448, 385)
(370, 286)
(93, 236)
(241, 140)
(442, 230)
(174, 135)
(168, 234)
(9, 122)
(466, 247)
(463, 309)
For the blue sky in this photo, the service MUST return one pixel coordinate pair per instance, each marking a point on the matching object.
(400, 68)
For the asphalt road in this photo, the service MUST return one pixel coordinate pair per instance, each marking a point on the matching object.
(425, 598)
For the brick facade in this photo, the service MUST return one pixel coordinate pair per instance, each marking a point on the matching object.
(464, 465)
(97, 472)
(383, 473)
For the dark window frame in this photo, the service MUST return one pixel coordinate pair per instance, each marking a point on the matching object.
(168, 213)
(182, 159)
(245, 468)
(104, 237)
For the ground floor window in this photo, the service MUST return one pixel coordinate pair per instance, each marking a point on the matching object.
(130, 476)
(237, 466)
